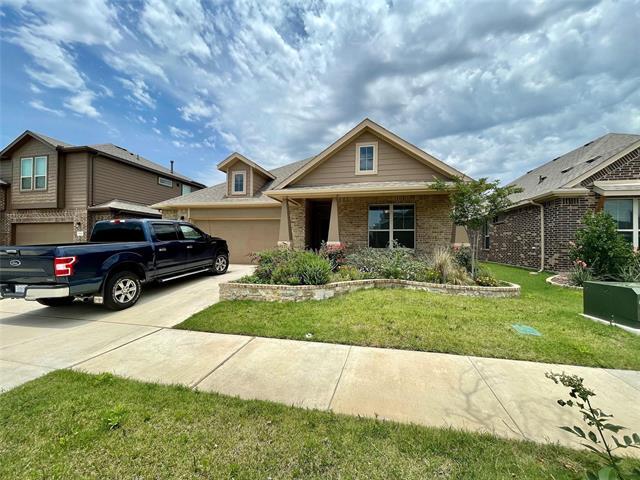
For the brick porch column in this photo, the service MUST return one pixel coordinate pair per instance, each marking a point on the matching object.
(284, 237)
(334, 231)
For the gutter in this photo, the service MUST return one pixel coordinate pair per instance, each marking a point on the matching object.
(531, 202)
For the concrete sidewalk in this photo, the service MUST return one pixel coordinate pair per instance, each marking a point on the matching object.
(509, 398)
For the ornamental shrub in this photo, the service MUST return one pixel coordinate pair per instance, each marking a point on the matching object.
(462, 256)
(631, 271)
(290, 267)
(335, 253)
(311, 269)
(599, 245)
(580, 273)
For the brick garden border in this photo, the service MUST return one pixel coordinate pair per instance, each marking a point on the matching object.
(298, 293)
(553, 281)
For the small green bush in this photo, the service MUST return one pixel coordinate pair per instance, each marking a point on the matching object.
(346, 273)
(631, 271)
(485, 278)
(599, 245)
(289, 267)
(462, 256)
(580, 273)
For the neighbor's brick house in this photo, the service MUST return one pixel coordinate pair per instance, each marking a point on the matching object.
(52, 191)
(603, 174)
(368, 188)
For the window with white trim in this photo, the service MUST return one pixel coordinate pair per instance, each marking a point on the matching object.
(366, 158)
(393, 222)
(238, 184)
(33, 173)
(626, 213)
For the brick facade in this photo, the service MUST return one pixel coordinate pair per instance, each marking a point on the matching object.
(77, 216)
(515, 238)
(433, 226)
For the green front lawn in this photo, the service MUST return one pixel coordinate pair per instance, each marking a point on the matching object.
(440, 323)
(72, 425)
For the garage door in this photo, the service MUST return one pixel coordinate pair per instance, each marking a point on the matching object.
(243, 236)
(40, 233)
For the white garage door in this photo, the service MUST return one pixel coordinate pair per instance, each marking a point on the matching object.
(40, 233)
(243, 236)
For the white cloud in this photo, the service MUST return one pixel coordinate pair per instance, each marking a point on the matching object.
(49, 30)
(197, 109)
(156, 131)
(139, 91)
(179, 132)
(38, 105)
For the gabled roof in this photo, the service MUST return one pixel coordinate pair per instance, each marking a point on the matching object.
(383, 133)
(223, 165)
(217, 195)
(109, 149)
(565, 173)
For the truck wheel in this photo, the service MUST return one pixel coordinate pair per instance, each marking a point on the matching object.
(122, 290)
(221, 264)
(56, 302)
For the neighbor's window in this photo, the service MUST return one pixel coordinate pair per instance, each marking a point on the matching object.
(392, 222)
(366, 158)
(185, 189)
(238, 182)
(33, 173)
(486, 238)
(165, 182)
(626, 213)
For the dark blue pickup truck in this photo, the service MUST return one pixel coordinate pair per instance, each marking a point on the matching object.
(120, 256)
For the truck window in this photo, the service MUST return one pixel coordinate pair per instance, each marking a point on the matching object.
(190, 233)
(118, 232)
(165, 232)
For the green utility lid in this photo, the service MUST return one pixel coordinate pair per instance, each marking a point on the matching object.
(526, 330)
(617, 302)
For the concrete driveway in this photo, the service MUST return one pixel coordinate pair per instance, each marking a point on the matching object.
(35, 339)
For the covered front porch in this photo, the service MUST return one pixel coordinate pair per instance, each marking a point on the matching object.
(414, 219)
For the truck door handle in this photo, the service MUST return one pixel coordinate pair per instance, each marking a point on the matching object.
(162, 249)
(189, 247)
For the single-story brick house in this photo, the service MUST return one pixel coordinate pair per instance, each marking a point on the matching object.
(367, 188)
(537, 230)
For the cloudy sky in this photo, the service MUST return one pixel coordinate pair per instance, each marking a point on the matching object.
(494, 88)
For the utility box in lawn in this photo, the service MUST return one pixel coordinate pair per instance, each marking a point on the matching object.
(618, 302)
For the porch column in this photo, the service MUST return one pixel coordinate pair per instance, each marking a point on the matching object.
(284, 237)
(334, 231)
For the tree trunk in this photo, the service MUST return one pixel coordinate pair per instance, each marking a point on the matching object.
(473, 246)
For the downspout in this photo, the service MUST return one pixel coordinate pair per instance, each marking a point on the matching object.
(541, 234)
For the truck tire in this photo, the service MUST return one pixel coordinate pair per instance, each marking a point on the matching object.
(56, 302)
(220, 264)
(122, 290)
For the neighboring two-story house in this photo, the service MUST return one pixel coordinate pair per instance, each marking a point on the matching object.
(538, 229)
(52, 191)
(369, 188)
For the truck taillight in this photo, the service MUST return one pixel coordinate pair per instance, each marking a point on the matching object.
(63, 266)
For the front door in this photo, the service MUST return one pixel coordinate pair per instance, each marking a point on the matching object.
(319, 216)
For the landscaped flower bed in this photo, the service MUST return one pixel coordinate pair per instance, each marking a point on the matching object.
(288, 275)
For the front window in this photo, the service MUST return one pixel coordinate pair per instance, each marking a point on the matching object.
(186, 189)
(389, 224)
(238, 183)
(366, 158)
(626, 213)
(33, 173)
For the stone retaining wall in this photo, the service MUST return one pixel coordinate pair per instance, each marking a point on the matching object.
(298, 293)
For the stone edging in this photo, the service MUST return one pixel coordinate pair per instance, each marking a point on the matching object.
(297, 293)
(552, 281)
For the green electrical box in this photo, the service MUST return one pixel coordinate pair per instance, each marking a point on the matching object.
(618, 302)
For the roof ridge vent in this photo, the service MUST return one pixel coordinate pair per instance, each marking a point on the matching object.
(118, 146)
(591, 160)
(566, 170)
(587, 144)
(555, 159)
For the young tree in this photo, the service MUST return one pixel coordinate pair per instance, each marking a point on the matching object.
(475, 202)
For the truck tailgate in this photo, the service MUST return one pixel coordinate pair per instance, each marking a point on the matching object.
(32, 265)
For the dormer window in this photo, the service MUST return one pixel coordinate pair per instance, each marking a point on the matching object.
(367, 158)
(238, 184)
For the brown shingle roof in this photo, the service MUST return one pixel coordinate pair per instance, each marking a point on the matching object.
(562, 171)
